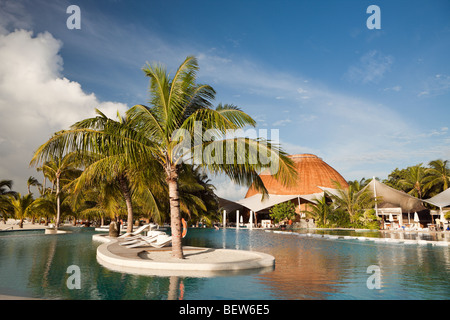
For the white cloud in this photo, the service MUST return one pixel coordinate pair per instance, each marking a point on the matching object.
(36, 100)
(227, 189)
(347, 130)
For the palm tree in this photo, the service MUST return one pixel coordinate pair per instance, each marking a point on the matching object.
(32, 181)
(156, 136)
(178, 105)
(5, 191)
(94, 144)
(138, 181)
(359, 185)
(320, 210)
(415, 181)
(352, 199)
(6, 184)
(45, 206)
(62, 168)
(438, 175)
(20, 206)
(197, 198)
(102, 201)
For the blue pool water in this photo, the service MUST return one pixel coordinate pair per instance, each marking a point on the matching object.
(35, 265)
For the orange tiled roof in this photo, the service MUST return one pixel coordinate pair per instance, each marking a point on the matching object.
(312, 173)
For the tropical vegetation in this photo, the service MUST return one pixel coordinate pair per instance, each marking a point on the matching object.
(352, 206)
(349, 207)
(152, 162)
(282, 212)
(145, 151)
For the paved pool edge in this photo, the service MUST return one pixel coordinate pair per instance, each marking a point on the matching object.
(205, 262)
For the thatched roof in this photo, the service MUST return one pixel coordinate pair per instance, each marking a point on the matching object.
(313, 173)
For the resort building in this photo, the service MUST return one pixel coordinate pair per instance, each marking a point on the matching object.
(397, 208)
(313, 177)
(442, 201)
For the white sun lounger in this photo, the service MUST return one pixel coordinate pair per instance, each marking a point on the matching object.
(161, 241)
(142, 241)
(157, 241)
(137, 238)
(137, 231)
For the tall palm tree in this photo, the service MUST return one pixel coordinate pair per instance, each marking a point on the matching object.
(32, 181)
(157, 135)
(415, 181)
(138, 180)
(63, 169)
(438, 175)
(179, 104)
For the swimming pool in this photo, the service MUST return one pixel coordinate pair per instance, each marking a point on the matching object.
(36, 265)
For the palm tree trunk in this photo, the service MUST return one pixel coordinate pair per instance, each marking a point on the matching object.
(58, 204)
(127, 195)
(175, 217)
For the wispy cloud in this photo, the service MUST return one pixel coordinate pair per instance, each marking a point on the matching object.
(436, 85)
(394, 88)
(281, 122)
(370, 68)
(13, 14)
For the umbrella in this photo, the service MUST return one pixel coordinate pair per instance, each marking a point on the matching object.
(416, 217)
(442, 217)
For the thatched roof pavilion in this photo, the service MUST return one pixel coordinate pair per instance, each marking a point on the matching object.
(312, 172)
(313, 176)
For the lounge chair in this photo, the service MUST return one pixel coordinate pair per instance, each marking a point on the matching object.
(137, 231)
(161, 241)
(141, 242)
(137, 238)
(157, 242)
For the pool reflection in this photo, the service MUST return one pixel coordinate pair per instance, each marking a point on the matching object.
(35, 265)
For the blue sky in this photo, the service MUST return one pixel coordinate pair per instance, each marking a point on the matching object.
(366, 101)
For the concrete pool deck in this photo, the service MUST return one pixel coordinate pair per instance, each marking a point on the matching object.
(198, 262)
(394, 237)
